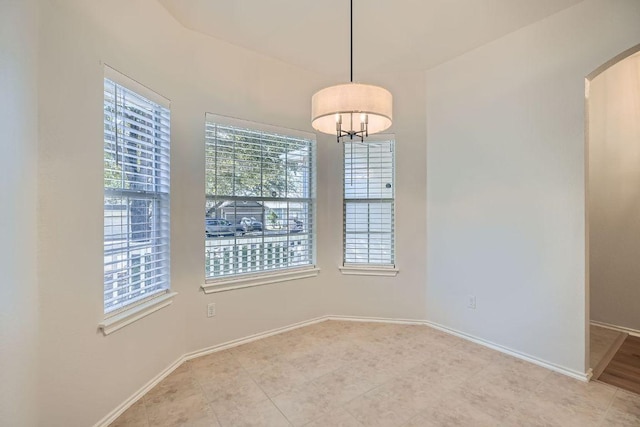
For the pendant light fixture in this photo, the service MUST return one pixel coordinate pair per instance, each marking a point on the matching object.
(351, 109)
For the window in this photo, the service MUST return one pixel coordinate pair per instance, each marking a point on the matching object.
(369, 203)
(136, 193)
(260, 198)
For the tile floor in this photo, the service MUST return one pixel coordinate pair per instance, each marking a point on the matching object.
(373, 374)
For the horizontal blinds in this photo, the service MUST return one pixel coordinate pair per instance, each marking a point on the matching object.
(135, 87)
(369, 224)
(262, 185)
(247, 163)
(136, 197)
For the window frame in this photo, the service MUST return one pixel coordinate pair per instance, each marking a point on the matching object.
(140, 306)
(267, 276)
(370, 269)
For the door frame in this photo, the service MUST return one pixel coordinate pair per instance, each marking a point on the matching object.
(587, 83)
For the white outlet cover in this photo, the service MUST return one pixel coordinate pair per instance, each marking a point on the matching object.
(471, 301)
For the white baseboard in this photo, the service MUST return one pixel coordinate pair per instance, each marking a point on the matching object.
(377, 320)
(632, 332)
(250, 338)
(581, 376)
(111, 417)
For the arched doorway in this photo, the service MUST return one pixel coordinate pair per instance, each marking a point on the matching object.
(613, 207)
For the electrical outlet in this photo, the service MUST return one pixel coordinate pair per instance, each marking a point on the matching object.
(211, 309)
(471, 302)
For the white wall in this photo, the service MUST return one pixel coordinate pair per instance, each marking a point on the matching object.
(403, 296)
(84, 374)
(18, 162)
(505, 181)
(197, 74)
(614, 194)
(502, 192)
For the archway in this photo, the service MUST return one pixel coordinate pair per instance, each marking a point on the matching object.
(612, 179)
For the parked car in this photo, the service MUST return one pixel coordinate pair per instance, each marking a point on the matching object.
(255, 224)
(290, 225)
(297, 228)
(242, 227)
(215, 227)
(249, 224)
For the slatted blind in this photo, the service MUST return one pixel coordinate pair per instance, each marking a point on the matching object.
(369, 203)
(261, 181)
(136, 197)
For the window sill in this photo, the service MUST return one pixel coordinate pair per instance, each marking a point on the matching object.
(368, 270)
(222, 285)
(127, 317)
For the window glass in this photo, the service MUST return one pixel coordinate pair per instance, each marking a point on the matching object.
(136, 197)
(260, 198)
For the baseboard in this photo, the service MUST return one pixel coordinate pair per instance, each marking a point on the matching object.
(581, 376)
(632, 332)
(113, 415)
(250, 338)
(376, 319)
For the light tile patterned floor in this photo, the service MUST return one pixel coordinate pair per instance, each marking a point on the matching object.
(374, 374)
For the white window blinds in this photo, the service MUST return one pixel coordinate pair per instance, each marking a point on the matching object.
(136, 197)
(369, 203)
(260, 198)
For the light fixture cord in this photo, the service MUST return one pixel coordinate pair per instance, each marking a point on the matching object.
(351, 79)
(351, 26)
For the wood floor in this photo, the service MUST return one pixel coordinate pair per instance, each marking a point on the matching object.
(624, 369)
(605, 343)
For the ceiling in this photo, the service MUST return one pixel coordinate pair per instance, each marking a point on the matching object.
(391, 35)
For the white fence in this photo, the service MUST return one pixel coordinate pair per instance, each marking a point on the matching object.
(228, 255)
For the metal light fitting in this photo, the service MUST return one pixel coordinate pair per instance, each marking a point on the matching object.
(352, 110)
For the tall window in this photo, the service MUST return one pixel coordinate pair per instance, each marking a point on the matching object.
(260, 198)
(136, 194)
(369, 203)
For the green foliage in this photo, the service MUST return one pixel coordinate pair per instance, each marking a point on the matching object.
(112, 172)
(112, 168)
(273, 218)
(240, 164)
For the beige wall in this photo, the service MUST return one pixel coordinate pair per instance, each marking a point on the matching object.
(197, 74)
(614, 194)
(84, 374)
(489, 180)
(403, 296)
(18, 252)
(505, 181)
